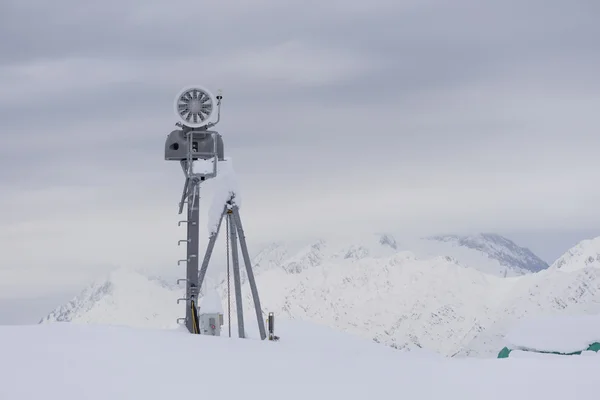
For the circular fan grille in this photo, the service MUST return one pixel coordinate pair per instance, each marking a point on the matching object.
(194, 106)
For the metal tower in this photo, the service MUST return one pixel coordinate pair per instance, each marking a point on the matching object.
(195, 141)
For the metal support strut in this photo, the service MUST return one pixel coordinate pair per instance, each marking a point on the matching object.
(236, 232)
(237, 282)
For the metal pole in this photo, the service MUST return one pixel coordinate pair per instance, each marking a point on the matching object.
(237, 282)
(192, 252)
(228, 278)
(238, 223)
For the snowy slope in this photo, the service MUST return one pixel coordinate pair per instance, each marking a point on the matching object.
(366, 288)
(435, 303)
(545, 294)
(584, 254)
(401, 301)
(74, 362)
(124, 298)
(570, 286)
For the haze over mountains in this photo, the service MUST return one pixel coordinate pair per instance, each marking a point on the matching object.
(456, 295)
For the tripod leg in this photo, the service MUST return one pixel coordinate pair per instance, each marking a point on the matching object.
(236, 277)
(209, 250)
(238, 223)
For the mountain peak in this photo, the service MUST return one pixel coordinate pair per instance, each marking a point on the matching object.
(585, 254)
(388, 240)
(124, 297)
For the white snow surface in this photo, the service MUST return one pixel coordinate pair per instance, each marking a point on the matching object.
(74, 362)
(127, 298)
(201, 166)
(366, 288)
(211, 303)
(225, 185)
(564, 334)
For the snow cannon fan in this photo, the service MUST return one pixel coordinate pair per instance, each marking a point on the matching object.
(194, 106)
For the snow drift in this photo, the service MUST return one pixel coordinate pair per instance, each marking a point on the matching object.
(73, 362)
(565, 334)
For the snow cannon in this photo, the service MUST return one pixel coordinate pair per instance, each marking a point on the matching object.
(194, 107)
(199, 150)
(191, 144)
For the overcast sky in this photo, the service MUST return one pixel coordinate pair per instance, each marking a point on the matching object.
(403, 116)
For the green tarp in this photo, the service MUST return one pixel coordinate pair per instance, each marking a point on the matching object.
(505, 352)
(594, 347)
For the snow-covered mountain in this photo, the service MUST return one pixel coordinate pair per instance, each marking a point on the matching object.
(488, 253)
(543, 294)
(126, 298)
(407, 301)
(584, 254)
(370, 288)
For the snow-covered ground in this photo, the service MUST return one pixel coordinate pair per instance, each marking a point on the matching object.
(73, 362)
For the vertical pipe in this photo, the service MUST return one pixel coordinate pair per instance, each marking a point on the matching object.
(237, 282)
(238, 223)
(228, 279)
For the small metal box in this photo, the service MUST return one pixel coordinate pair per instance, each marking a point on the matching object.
(210, 324)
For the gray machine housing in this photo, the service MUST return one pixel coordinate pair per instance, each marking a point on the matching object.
(202, 141)
(210, 324)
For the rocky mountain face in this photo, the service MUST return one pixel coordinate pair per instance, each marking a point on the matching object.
(498, 248)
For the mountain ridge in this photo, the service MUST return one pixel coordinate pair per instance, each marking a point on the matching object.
(392, 297)
(496, 247)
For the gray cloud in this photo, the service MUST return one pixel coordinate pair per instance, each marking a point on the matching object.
(415, 116)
